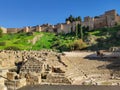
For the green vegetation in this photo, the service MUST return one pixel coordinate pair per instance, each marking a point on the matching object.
(72, 19)
(23, 41)
(82, 39)
(1, 33)
(105, 38)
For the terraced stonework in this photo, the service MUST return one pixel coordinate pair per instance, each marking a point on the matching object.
(48, 67)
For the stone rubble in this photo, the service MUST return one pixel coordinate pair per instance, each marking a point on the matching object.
(48, 67)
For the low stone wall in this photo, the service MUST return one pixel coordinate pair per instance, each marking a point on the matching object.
(57, 79)
(8, 58)
(16, 84)
(32, 79)
(1, 81)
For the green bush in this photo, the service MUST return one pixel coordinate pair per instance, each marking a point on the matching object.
(12, 48)
(2, 43)
(1, 33)
(78, 45)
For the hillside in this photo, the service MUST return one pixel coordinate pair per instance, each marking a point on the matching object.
(105, 38)
(32, 41)
(95, 39)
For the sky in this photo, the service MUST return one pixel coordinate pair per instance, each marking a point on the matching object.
(21, 13)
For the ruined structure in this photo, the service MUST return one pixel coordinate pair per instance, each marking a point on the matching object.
(32, 67)
(43, 67)
(48, 67)
(108, 19)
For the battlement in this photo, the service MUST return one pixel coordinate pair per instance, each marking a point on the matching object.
(86, 19)
(108, 19)
(111, 12)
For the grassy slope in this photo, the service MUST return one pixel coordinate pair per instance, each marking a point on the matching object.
(47, 40)
(108, 38)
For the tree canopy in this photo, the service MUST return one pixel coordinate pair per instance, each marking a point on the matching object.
(1, 32)
(72, 19)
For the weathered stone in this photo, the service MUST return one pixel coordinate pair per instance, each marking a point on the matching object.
(57, 79)
(11, 75)
(1, 81)
(3, 87)
(4, 72)
(33, 79)
(21, 82)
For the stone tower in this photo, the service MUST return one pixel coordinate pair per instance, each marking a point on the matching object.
(67, 22)
(111, 17)
(38, 28)
(26, 29)
(4, 30)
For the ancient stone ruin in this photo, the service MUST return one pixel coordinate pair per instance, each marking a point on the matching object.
(33, 67)
(21, 68)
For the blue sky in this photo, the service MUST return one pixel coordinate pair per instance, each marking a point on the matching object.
(20, 13)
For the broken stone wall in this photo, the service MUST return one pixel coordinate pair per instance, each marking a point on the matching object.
(32, 79)
(57, 79)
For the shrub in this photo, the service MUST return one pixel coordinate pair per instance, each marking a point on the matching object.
(1, 33)
(64, 47)
(2, 43)
(12, 48)
(78, 45)
(29, 33)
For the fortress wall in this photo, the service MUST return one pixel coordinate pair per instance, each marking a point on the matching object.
(111, 12)
(100, 22)
(51, 30)
(90, 24)
(117, 18)
(12, 30)
(109, 18)
(38, 28)
(67, 28)
(74, 24)
(43, 29)
(26, 29)
(3, 29)
(32, 29)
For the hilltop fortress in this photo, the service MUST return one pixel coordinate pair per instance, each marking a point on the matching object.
(108, 19)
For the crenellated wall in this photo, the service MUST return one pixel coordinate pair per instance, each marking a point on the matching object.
(108, 19)
(4, 30)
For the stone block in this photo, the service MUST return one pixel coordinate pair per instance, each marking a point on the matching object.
(11, 75)
(20, 83)
(57, 79)
(1, 81)
(33, 79)
(3, 87)
(4, 72)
